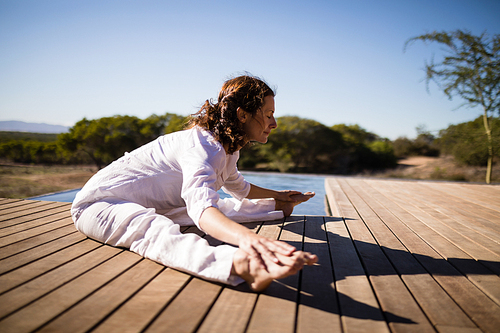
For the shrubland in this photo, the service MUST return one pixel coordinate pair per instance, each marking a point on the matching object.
(297, 145)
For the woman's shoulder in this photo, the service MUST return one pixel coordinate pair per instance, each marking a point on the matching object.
(196, 145)
(194, 140)
(205, 138)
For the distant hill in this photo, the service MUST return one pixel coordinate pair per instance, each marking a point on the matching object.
(21, 126)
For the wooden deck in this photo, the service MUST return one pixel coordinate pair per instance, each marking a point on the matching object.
(395, 256)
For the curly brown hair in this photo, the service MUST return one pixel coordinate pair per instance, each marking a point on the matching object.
(245, 92)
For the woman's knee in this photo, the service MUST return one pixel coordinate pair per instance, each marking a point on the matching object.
(110, 219)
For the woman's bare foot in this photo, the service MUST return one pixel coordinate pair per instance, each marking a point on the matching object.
(287, 206)
(259, 277)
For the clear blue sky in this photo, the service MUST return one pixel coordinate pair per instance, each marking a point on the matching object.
(332, 61)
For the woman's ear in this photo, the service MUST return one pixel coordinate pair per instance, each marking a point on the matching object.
(242, 115)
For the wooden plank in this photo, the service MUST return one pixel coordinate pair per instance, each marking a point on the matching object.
(474, 244)
(25, 209)
(359, 307)
(90, 311)
(12, 203)
(197, 297)
(231, 312)
(468, 240)
(7, 201)
(29, 243)
(401, 310)
(92, 271)
(233, 308)
(487, 191)
(331, 189)
(136, 314)
(318, 309)
(183, 303)
(474, 270)
(267, 304)
(34, 216)
(467, 206)
(187, 310)
(420, 199)
(23, 258)
(18, 227)
(485, 194)
(437, 305)
(276, 306)
(7, 240)
(465, 218)
(457, 329)
(32, 290)
(480, 308)
(467, 193)
(39, 267)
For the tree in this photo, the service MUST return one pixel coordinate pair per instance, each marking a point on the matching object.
(471, 70)
(106, 139)
(174, 123)
(403, 147)
(30, 151)
(355, 134)
(365, 150)
(103, 140)
(303, 145)
(467, 142)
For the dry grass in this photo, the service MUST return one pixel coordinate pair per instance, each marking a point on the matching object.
(24, 181)
(439, 168)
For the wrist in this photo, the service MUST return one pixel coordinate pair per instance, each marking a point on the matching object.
(242, 234)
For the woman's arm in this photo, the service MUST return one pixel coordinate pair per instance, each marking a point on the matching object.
(257, 192)
(285, 200)
(217, 225)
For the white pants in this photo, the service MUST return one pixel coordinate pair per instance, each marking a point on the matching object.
(158, 237)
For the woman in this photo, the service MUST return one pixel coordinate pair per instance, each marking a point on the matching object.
(140, 200)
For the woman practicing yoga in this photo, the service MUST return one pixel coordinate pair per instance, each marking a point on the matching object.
(140, 200)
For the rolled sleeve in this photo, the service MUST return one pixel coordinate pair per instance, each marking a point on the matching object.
(199, 183)
(236, 186)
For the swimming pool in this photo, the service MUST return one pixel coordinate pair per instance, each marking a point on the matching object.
(65, 196)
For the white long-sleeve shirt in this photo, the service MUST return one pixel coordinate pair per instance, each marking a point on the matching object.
(182, 169)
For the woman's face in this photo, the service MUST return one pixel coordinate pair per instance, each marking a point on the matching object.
(258, 127)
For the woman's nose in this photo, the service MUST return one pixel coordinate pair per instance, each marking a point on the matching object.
(274, 124)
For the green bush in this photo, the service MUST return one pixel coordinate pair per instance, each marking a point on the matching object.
(423, 145)
(106, 139)
(21, 151)
(467, 142)
(365, 150)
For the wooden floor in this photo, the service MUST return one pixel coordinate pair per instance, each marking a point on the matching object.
(395, 256)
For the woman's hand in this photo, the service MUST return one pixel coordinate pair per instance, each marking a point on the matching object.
(216, 224)
(282, 259)
(259, 276)
(258, 246)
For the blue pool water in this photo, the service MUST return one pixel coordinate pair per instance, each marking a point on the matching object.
(275, 181)
(65, 196)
